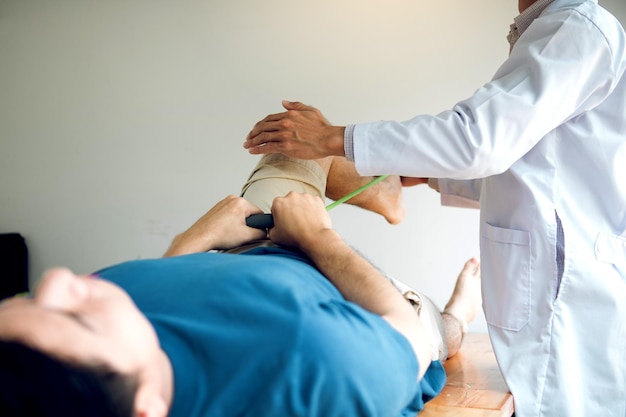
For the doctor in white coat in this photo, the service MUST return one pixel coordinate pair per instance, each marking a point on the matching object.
(542, 148)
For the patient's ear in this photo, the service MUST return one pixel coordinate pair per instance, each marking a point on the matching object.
(148, 402)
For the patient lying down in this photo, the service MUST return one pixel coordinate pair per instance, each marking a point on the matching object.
(296, 323)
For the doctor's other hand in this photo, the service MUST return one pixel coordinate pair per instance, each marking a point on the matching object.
(299, 132)
(411, 181)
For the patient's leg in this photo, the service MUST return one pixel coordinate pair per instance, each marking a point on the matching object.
(463, 305)
(384, 198)
(275, 175)
(447, 329)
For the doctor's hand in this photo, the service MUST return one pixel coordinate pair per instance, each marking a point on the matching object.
(222, 227)
(300, 221)
(411, 181)
(300, 132)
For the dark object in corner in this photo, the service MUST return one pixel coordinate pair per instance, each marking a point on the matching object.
(13, 265)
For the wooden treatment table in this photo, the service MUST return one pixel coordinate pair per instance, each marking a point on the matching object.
(475, 387)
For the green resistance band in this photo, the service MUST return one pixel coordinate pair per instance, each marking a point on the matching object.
(355, 192)
(266, 221)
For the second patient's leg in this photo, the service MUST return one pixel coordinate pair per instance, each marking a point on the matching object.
(463, 306)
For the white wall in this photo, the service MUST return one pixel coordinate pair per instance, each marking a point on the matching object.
(121, 122)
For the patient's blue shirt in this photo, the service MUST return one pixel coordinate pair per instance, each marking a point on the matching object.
(265, 334)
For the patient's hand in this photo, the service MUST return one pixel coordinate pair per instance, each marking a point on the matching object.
(222, 227)
(299, 220)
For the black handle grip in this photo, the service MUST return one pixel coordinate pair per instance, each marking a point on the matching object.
(260, 221)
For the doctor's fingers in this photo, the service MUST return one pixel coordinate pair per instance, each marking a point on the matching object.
(286, 143)
(296, 117)
(267, 124)
(296, 108)
(296, 105)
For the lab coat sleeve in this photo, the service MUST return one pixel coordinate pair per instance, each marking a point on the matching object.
(547, 80)
(459, 193)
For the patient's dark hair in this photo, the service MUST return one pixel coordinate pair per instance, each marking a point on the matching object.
(37, 385)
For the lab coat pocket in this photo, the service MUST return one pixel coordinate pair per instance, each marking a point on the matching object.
(611, 249)
(506, 276)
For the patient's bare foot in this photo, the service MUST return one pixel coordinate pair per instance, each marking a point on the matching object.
(463, 306)
(384, 198)
(466, 301)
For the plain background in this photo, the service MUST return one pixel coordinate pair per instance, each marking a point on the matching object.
(122, 122)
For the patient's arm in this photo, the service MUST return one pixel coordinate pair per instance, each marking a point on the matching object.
(222, 227)
(302, 222)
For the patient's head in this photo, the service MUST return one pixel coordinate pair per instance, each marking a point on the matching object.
(75, 334)
(35, 384)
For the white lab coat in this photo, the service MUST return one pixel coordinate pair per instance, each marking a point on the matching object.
(548, 137)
